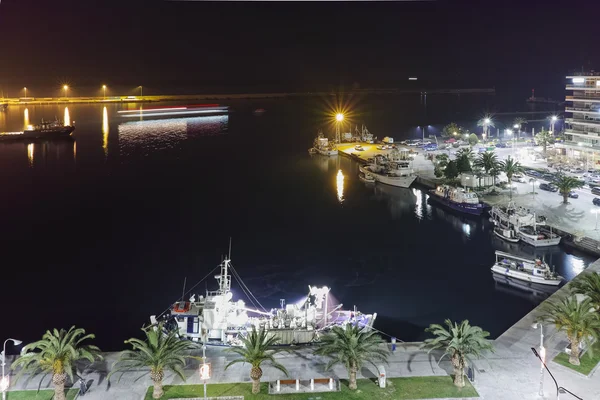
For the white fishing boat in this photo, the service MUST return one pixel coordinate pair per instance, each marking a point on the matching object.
(366, 177)
(538, 237)
(216, 318)
(323, 146)
(534, 271)
(505, 233)
(513, 215)
(393, 170)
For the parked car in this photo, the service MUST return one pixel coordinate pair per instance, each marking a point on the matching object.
(501, 145)
(519, 178)
(596, 190)
(596, 201)
(548, 187)
(358, 147)
(572, 194)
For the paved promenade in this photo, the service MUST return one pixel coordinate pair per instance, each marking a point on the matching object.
(511, 373)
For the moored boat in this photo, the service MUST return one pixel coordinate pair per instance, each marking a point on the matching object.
(43, 130)
(538, 237)
(513, 215)
(323, 146)
(508, 234)
(534, 271)
(457, 199)
(366, 177)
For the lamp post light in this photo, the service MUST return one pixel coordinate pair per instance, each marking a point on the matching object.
(339, 117)
(559, 389)
(542, 356)
(5, 381)
(533, 182)
(553, 119)
(104, 89)
(518, 129)
(595, 211)
(141, 91)
(25, 89)
(65, 87)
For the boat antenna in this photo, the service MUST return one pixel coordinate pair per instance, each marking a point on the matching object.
(183, 292)
(229, 247)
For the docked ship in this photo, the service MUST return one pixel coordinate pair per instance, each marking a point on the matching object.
(216, 318)
(322, 146)
(538, 237)
(457, 199)
(515, 216)
(44, 130)
(534, 271)
(394, 169)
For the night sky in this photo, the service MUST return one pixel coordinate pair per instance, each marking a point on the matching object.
(510, 45)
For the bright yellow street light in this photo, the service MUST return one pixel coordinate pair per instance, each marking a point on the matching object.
(104, 89)
(65, 87)
(339, 117)
(25, 89)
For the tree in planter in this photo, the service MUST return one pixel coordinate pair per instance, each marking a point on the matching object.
(352, 347)
(451, 171)
(565, 184)
(510, 167)
(458, 341)
(577, 319)
(520, 122)
(487, 161)
(452, 130)
(463, 164)
(588, 284)
(473, 139)
(57, 354)
(544, 138)
(158, 352)
(257, 349)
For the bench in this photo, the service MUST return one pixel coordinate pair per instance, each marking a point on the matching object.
(303, 386)
(288, 382)
(325, 381)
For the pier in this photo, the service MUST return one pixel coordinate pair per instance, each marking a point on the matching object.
(229, 96)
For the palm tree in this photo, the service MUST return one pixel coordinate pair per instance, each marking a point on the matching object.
(588, 284)
(544, 138)
(565, 184)
(452, 130)
(487, 161)
(159, 351)
(57, 353)
(255, 351)
(466, 152)
(510, 167)
(486, 122)
(576, 318)
(352, 346)
(478, 172)
(520, 121)
(458, 341)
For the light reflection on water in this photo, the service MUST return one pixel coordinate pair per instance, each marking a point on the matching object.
(105, 130)
(162, 134)
(340, 186)
(67, 118)
(30, 154)
(25, 118)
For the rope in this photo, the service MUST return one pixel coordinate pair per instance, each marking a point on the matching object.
(237, 276)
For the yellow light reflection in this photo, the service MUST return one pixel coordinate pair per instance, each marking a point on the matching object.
(30, 154)
(67, 117)
(26, 118)
(105, 130)
(340, 186)
(75, 151)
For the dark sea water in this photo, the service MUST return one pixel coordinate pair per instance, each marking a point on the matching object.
(100, 232)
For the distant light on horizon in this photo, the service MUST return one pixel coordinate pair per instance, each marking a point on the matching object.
(412, 78)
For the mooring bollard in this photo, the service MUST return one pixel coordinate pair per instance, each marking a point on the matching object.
(312, 384)
(278, 385)
(330, 383)
(297, 384)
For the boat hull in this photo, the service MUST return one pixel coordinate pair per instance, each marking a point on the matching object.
(523, 276)
(471, 209)
(398, 181)
(327, 152)
(53, 133)
(499, 233)
(534, 241)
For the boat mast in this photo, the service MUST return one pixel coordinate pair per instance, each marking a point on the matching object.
(224, 278)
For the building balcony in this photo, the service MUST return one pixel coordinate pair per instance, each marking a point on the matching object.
(582, 122)
(579, 74)
(586, 134)
(581, 146)
(582, 110)
(593, 87)
(582, 98)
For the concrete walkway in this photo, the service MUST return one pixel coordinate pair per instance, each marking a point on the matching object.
(511, 373)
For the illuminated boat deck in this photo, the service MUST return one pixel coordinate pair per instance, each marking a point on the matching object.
(200, 109)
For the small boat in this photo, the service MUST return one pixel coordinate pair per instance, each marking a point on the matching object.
(513, 215)
(43, 130)
(534, 271)
(394, 169)
(457, 199)
(259, 111)
(538, 237)
(508, 234)
(323, 146)
(312, 150)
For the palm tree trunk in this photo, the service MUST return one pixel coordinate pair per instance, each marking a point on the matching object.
(574, 357)
(158, 390)
(352, 383)
(59, 386)
(255, 386)
(510, 187)
(459, 370)
(565, 198)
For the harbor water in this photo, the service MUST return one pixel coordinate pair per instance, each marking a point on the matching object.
(101, 231)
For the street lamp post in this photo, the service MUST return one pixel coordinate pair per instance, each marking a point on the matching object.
(552, 121)
(518, 129)
(141, 91)
(559, 389)
(596, 211)
(104, 89)
(65, 87)
(542, 356)
(25, 89)
(339, 117)
(533, 181)
(5, 383)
